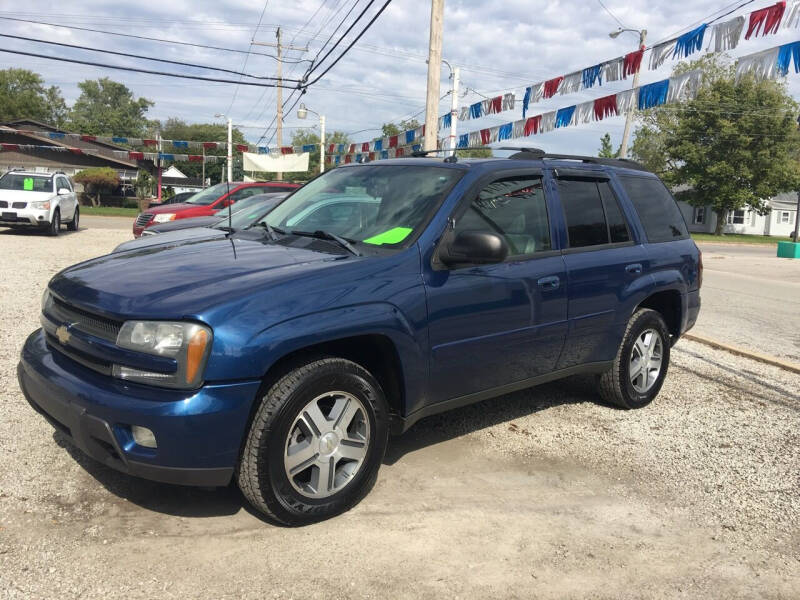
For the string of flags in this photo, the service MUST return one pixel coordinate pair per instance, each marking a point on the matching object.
(768, 64)
(121, 154)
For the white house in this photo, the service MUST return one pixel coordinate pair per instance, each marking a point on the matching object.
(173, 177)
(779, 221)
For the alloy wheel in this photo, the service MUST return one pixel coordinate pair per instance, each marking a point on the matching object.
(647, 356)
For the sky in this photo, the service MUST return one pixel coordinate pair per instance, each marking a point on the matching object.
(500, 46)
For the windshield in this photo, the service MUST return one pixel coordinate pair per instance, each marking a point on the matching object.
(25, 183)
(374, 204)
(208, 195)
(244, 217)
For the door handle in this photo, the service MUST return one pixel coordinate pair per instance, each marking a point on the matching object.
(550, 283)
(634, 269)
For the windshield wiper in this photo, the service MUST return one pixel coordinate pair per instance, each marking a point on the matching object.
(273, 234)
(327, 235)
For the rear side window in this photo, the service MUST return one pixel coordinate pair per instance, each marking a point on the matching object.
(592, 213)
(659, 213)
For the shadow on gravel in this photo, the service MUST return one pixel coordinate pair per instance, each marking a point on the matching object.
(193, 502)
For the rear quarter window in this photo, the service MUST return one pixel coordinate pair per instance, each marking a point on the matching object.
(658, 212)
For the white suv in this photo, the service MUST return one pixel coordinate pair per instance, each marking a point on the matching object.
(38, 200)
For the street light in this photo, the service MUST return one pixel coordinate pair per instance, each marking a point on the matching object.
(230, 145)
(623, 147)
(302, 113)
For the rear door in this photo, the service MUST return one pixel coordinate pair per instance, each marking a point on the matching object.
(492, 325)
(602, 262)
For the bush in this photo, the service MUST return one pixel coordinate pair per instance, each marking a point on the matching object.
(97, 180)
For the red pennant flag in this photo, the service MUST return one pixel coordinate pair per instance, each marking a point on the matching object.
(372, 156)
(76, 150)
(348, 158)
(769, 17)
(632, 62)
(287, 150)
(210, 145)
(242, 147)
(9, 146)
(195, 158)
(605, 107)
(497, 105)
(400, 152)
(331, 148)
(136, 155)
(551, 86)
(365, 147)
(393, 141)
(532, 125)
(89, 138)
(486, 135)
(146, 142)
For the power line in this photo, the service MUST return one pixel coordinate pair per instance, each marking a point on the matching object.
(346, 50)
(247, 55)
(613, 16)
(140, 56)
(135, 70)
(141, 37)
(333, 33)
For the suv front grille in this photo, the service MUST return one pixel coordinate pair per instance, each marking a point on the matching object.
(19, 205)
(85, 321)
(3, 204)
(143, 219)
(90, 362)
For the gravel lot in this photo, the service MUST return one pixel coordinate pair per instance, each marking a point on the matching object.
(543, 493)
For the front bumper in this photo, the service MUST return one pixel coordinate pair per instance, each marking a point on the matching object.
(199, 432)
(24, 217)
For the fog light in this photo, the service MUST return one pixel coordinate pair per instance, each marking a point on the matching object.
(143, 436)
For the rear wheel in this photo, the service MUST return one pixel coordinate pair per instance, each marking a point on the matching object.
(55, 223)
(641, 363)
(73, 225)
(316, 442)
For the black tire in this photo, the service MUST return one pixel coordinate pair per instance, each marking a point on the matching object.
(55, 224)
(74, 224)
(261, 474)
(615, 385)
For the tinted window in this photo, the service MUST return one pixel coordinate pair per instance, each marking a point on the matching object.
(583, 210)
(513, 208)
(659, 213)
(26, 183)
(617, 227)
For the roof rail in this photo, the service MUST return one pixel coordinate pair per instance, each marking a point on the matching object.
(624, 163)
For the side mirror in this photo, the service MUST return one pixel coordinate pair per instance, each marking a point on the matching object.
(474, 248)
(63, 191)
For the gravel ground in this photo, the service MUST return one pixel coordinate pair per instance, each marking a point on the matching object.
(544, 493)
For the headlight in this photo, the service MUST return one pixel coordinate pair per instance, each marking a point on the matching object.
(40, 205)
(164, 218)
(188, 343)
(47, 300)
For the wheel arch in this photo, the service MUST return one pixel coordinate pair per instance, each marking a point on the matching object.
(669, 304)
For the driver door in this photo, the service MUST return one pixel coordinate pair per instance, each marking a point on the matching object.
(493, 325)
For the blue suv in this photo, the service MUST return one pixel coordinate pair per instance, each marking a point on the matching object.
(282, 356)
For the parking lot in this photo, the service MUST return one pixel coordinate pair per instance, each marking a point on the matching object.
(543, 493)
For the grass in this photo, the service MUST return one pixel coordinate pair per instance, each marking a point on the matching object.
(109, 211)
(738, 238)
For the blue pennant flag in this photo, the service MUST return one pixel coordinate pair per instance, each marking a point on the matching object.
(263, 149)
(55, 135)
(690, 42)
(525, 101)
(463, 141)
(119, 140)
(653, 94)
(309, 147)
(409, 136)
(179, 144)
(592, 75)
(384, 154)
(163, 156)
(378, 145)
(504, 132)
(475, 110)
(337, 159)
(416, 147)
(564, 116)
(786, 53)
(447, 121)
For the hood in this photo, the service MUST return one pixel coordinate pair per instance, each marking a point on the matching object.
(170, 208)
(172, 238)
(183, 280)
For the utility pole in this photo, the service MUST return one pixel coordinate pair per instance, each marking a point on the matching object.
(230, 150)
(279, 89)
(797, 220)
(321, 144)
(158, 191)
(434, 75)
(454, 112)
(203, 180)
(623, 147)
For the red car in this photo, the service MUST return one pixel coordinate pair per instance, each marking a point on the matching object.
(207, 202)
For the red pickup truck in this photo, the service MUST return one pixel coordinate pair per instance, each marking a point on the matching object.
(207, 202)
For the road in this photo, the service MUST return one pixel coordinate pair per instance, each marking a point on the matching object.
(751, 299)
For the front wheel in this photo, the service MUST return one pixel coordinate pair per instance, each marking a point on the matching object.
(640, 366)
(55, 223)
(316, 442)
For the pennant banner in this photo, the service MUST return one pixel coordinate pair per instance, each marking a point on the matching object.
(121, 154)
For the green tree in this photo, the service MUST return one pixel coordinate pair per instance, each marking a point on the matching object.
(106, 107)
(733, 146)
(301, 137)
(143, 184)
(390, 129)
(178, 129)
(23, 95)
(606, 149)
(96, 181)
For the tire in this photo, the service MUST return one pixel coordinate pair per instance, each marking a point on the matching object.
(55, 223)
(617, 386)
(285, 422)
(75, 223)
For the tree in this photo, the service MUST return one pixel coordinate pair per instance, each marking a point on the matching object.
(301, 137)
(606, 149)
(24, 96)
(178, 129)
(143, 184)
(97, 180)
(390, 129)
(106, 107)
(732, 147)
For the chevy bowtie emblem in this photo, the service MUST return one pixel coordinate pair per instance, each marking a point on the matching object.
(63, 334)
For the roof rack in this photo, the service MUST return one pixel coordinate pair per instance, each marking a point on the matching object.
(450, 159)
(536, 153)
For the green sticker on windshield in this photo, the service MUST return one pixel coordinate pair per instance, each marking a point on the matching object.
(27, 184)
(393, 236)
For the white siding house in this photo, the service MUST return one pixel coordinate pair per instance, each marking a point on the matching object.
(779, 221)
